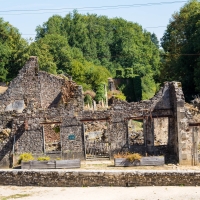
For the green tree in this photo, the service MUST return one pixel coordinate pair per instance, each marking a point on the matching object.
(154, 39)
(181, 46)
(112, 43)
(13, 51)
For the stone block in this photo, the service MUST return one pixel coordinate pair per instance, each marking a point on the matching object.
(9, 107)
(18, 106)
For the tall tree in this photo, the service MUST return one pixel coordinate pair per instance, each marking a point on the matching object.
(154, 39)
(13, 51)
(107, 42)
(181, 45)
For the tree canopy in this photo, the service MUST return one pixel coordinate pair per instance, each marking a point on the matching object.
(99, 41)
(13, 51)
(89, 48)
(181, 61)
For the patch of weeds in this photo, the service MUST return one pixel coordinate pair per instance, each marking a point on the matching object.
(25, 157)
(43, 158)
(15, 196)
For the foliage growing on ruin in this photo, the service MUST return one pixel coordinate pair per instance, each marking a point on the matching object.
(117, 94)
(100, 93)
(25, 157)
(88, 100)
(56, 129)
(129, 156)
(43, 158)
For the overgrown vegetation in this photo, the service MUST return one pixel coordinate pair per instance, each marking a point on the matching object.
(181, 61)
(25, 157)
(88, 47)
(43, 158)
(91, 48)
(129, 156)
(56, 129)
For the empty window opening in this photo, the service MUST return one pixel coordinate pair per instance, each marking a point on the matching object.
(96, 140)
(52, 138)
(135, 130)
(161, 127)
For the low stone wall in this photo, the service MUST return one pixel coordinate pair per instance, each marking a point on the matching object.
(80, 178)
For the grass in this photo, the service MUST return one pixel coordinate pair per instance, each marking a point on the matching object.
(15, 196)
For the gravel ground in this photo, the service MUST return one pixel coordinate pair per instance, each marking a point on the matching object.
(109, 165)
(99, 193)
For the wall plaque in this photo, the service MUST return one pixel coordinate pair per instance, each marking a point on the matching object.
(71, 137)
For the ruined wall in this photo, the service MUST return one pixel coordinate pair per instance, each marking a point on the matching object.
(179, 125)
(32, 98)
(23, 90)
(36, 98)
(50, 89)
(72, 138)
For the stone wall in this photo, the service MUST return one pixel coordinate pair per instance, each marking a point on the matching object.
(118, 178)
(36, 98)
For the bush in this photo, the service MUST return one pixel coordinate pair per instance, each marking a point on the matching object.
(25, 157)
(119, 73)
(129, 73)
(129, 156)
(57, 129)
(120, 96)
(43, 158)
(88, 100)
(134, 156)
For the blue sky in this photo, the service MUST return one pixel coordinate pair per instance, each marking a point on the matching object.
(147, 16)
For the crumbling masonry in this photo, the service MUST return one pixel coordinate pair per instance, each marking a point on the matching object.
(44, 114)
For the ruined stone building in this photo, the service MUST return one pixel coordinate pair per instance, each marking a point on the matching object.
(44, 114)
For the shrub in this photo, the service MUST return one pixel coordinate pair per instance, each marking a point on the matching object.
(120, 96)
(57, 129)
(25, 157)
(88, 99)
(134, 156)
(117, 94)
(129, 156)
(43, 158)
(90, 92)
(119, 73)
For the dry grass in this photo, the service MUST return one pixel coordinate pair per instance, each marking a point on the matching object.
(129, 156)
(15, 196)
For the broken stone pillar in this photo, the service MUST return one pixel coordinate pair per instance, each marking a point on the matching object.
(149, 134)
(94, 105)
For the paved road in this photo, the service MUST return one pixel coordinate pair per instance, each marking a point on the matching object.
(100, 193)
